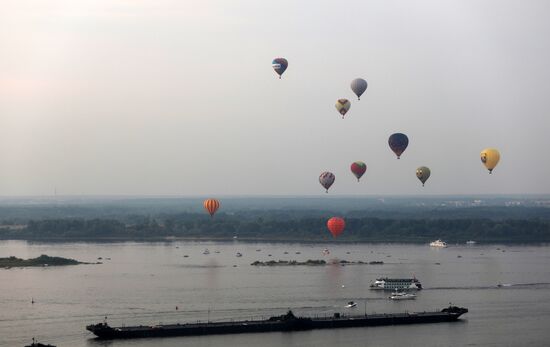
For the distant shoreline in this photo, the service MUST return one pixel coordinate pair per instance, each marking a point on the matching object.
(395, 220)
(259, 240)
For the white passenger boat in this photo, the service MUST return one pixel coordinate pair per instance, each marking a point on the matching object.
(396, 284)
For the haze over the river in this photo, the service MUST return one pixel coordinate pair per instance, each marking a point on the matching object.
(179, 97)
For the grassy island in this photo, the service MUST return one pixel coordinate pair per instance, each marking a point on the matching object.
(42, 260)
(310, 262)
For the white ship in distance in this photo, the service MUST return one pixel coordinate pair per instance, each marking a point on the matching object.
(438, 243)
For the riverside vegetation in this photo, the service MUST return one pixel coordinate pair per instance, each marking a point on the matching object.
(414, 220)
(301, 229)
(42, 260)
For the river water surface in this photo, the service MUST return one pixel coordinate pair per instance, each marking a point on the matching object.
(143, 283)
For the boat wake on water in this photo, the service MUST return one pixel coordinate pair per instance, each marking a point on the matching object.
(542, 285)
(200, 266)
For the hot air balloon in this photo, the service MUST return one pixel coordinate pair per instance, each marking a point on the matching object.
(336, 226)
(343, 105)
(490, 157)
(358, 86)
(423, 173)
(358, 168)
(211, 205)
(327, 179)
(279, 65)
(398, 143)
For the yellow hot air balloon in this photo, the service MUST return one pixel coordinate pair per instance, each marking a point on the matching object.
(490, 158)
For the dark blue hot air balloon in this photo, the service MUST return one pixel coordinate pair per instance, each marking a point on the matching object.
(358, 86)
(398, 143)
(279, 65)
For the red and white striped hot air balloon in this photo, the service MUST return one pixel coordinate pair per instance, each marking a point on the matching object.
(211, 205)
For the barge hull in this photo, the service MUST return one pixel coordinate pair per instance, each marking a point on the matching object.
(286, 322)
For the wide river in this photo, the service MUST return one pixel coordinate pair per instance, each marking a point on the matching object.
(143, 283)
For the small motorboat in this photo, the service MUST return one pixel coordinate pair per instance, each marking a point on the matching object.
(239, 254)
(206, 251)
(402, 296)
(438, 244)
(351, 304)
(500, 285)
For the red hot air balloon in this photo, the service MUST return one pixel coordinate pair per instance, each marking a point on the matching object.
(358, 168)
(211, 205)
(336, 226)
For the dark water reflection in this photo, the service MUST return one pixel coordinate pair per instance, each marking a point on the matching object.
(144, 282)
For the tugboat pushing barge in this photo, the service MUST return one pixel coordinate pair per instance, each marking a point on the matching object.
(286, 322)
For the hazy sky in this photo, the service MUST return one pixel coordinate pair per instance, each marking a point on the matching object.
(179, 97)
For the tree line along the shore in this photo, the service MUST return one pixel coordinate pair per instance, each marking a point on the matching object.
(363, 229)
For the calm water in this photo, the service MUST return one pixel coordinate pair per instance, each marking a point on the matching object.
(144, 282)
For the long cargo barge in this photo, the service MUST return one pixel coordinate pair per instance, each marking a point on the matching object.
(286, 322)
